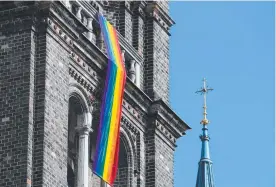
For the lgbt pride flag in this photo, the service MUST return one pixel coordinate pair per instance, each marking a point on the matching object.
(108, 140)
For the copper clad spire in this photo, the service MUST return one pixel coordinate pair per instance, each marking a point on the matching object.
(205, 177)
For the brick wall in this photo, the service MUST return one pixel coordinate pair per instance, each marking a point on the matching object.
(38, 154)
(16, 97)
(52, 112)
(117, 13)
(122, 177)
(138, 34)
(141, 164)
(159, 160)
(150, 157)
(164, 160)
(156, 66)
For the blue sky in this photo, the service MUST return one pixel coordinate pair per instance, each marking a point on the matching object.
(232, 45)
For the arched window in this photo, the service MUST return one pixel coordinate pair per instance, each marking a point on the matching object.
(123, 169)
(126, 163)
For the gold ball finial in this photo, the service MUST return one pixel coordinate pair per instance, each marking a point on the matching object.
(204, 122)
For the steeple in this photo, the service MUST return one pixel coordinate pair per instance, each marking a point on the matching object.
(205, 177)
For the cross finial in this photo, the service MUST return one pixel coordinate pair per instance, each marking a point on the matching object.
(204, 90)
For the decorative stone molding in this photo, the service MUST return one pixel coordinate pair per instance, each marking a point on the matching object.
(76, 90)
(134, 112)
(165, 132)
(163, 19)
(80, 79)
(129, 126)
(78, 60)
(161, 22)
(58, 30)
(64, 15)
(168, 117)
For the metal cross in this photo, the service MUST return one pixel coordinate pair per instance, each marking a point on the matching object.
(204, 91)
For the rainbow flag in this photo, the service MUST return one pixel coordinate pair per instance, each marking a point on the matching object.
(107, 149)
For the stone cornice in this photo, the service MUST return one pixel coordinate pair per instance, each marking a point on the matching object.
(154, 7)
(172, 121)
(154, 11)
(165, 16)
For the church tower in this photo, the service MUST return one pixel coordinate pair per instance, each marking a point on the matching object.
(53, 68)
(205, 177)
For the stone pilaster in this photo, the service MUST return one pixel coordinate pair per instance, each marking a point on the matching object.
(138, 75)
(156, 52)
(132, 71)
(83, 152)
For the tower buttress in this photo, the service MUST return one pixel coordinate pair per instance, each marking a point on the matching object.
(156, 51)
